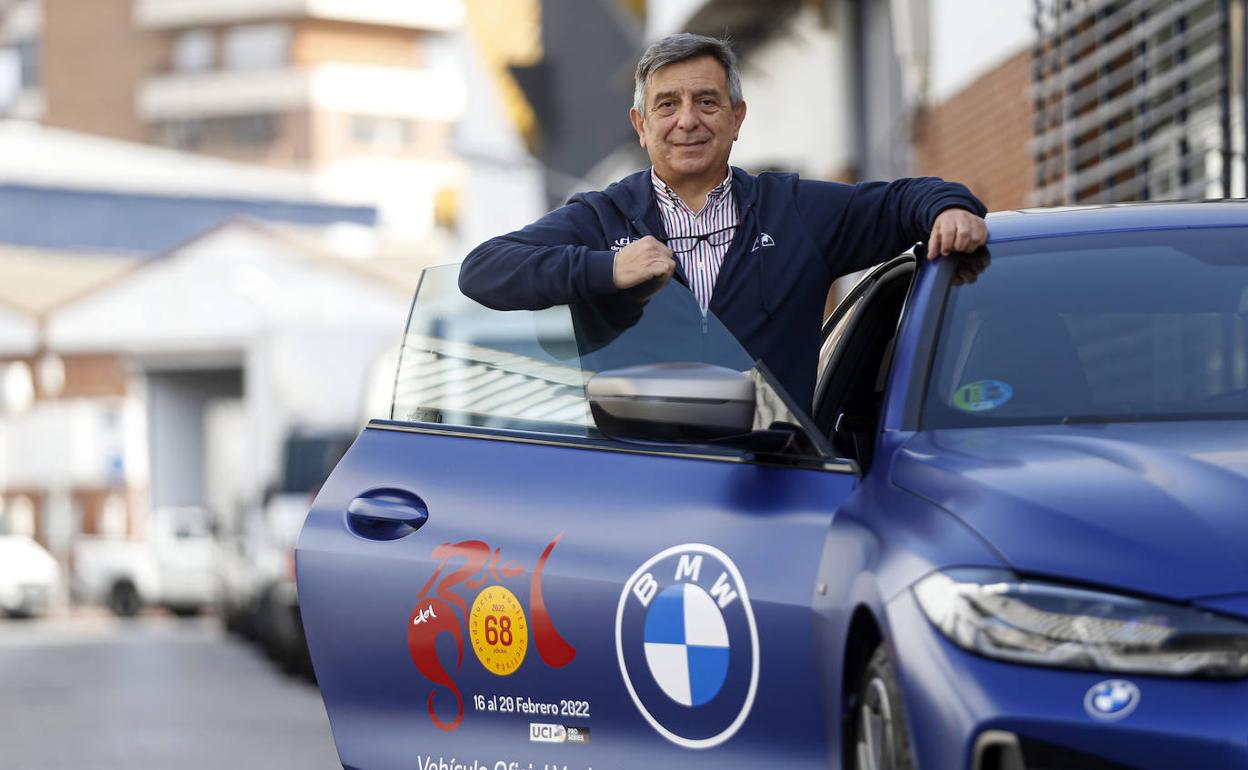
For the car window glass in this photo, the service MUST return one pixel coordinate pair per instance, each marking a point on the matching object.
(465, 364)
(1121, 326)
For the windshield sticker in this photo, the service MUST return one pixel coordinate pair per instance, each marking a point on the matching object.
(982, 395)
(498, 629)
(688, 645)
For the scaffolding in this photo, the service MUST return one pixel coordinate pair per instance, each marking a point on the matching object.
(1138, 100)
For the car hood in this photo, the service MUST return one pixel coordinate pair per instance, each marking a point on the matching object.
(1156, 508)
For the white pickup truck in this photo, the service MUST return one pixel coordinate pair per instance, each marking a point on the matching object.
(174, 568)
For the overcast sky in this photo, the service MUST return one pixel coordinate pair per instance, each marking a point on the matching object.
(971, 36)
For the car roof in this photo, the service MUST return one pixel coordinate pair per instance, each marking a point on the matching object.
(1072, 220)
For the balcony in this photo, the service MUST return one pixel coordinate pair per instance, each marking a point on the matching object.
(428, 15)
(339, 88)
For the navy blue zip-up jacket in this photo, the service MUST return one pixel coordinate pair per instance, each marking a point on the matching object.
(793, 238)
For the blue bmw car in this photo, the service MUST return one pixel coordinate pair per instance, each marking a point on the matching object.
(1011, 532)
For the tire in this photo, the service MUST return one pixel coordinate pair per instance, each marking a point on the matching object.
(266, 627)
(123, 600)
(881, 737)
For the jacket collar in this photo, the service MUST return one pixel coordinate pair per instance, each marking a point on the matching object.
(745, 187)
(634, 195)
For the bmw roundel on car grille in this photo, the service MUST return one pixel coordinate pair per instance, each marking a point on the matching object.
(688, 645)
(1112, 699)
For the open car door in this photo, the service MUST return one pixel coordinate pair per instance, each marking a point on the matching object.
(492, 579)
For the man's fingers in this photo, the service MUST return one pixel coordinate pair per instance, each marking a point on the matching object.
(659, 267)
(948, 232)
(956, 231)
(962, 239)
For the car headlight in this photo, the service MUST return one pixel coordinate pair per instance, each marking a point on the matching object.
(999, 615)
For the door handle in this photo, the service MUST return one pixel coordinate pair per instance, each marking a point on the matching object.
(386, 514)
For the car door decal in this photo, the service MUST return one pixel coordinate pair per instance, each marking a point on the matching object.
(498, 626)
(687, 645)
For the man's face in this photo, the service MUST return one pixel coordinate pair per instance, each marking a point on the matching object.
(689, 123)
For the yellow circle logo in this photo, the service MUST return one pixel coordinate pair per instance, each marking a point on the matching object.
(499, 632)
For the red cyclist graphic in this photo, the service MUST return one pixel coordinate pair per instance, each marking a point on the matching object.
(435, 615)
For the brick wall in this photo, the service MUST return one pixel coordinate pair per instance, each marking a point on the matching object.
(93, 376)
(317, 41)
(93, 61)
(979, 136)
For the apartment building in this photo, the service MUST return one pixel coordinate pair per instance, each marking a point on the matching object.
(1138, 100)
(300, 82)
(365, 94)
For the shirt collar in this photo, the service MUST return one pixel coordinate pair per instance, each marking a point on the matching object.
(666, 195)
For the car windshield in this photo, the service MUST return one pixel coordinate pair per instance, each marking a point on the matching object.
(465, 364)
(1113, 327)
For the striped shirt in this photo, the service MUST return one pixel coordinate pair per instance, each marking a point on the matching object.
(702, 264)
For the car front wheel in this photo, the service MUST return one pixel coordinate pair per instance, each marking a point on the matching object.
(881, 741)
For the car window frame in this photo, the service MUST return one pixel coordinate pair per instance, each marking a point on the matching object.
(852, 310)
(853, 304)
(939, 277)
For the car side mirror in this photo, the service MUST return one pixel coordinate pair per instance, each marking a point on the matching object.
(682, 402)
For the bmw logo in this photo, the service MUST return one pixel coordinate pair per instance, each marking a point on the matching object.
(1112, 699)
(688, 645)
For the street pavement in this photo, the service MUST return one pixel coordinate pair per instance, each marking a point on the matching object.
(86, 691)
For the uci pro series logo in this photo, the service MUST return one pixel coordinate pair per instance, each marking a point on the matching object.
(688, 645)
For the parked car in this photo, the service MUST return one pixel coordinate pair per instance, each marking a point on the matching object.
(257, 574)
(1009, 534)
(174, 567)
(30, 578)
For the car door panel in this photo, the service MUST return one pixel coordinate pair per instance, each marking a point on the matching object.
(560, 545)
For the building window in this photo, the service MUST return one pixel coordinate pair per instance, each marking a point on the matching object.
(114, 517)
(252, 130)
(21, 516)
(28, 55)
(213, 134)
(10, 78)
(17, 387)
(194, 51)
(182, 134)
(257, 46)
(382, 133)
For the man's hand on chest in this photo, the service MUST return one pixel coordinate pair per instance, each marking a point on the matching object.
(642, 260)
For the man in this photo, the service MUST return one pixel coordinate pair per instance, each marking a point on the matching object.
(758, 252)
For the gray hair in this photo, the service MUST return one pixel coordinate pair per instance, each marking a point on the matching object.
(680, 47)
